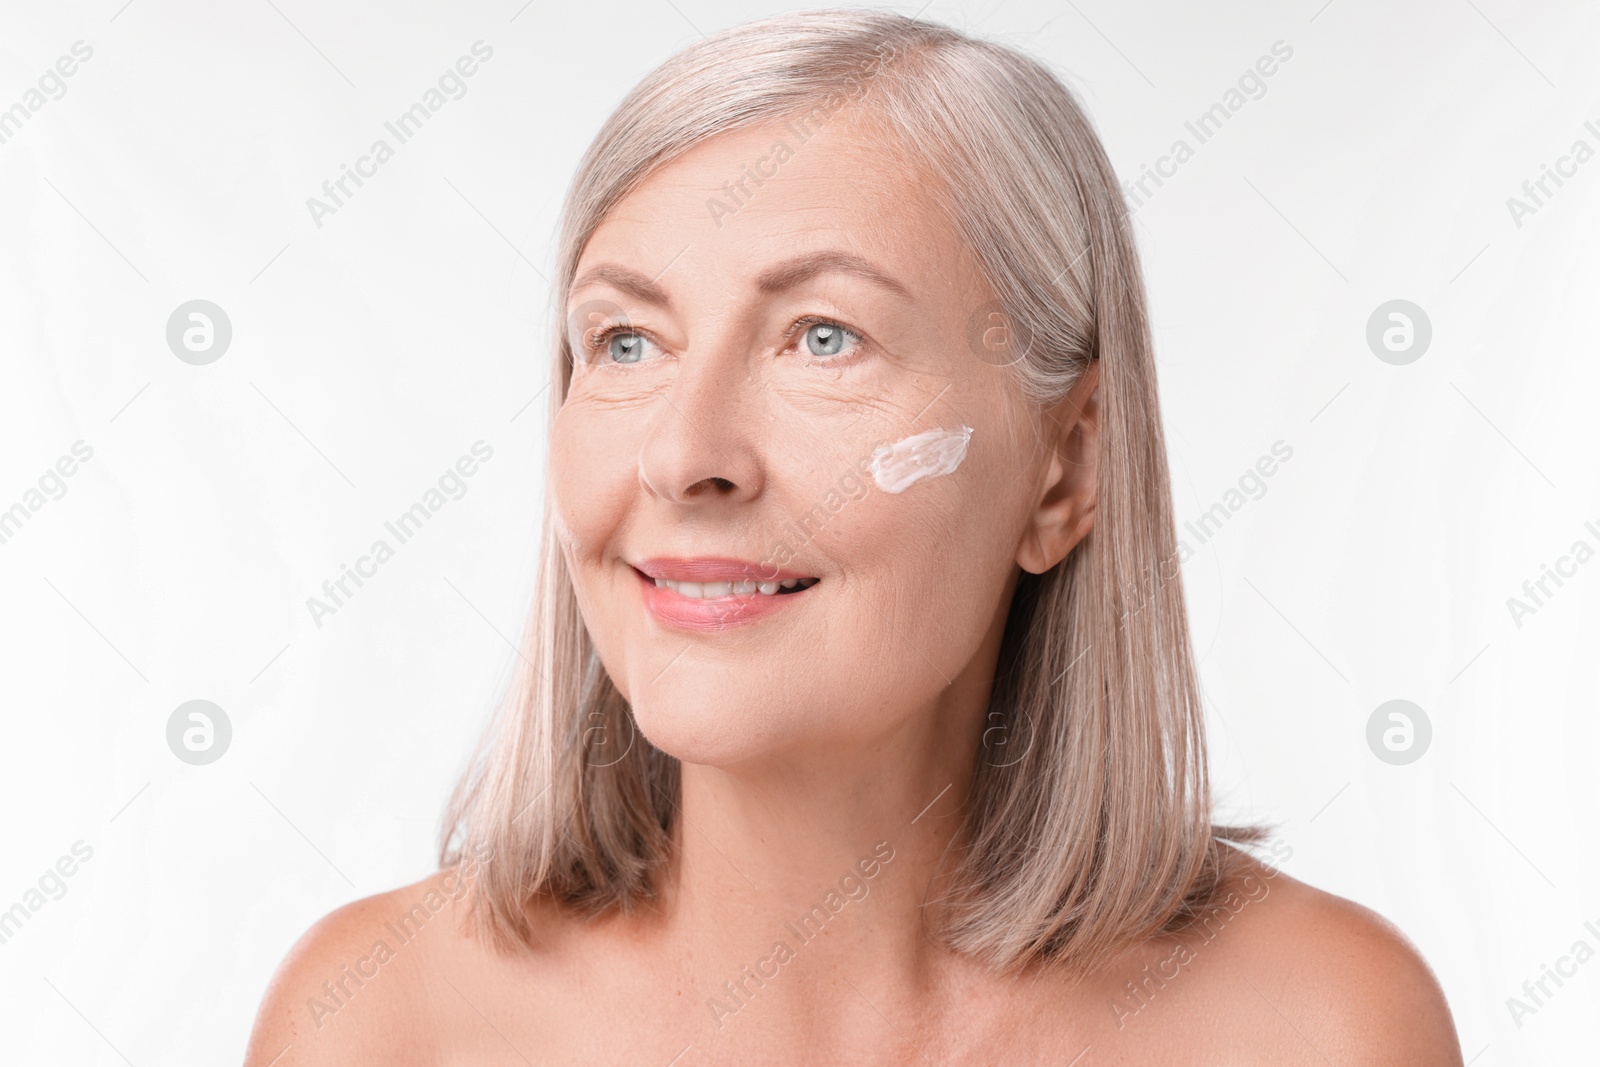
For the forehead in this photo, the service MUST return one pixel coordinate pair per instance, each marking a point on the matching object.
(750, 197)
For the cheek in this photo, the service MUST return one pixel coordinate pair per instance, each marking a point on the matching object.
(926, 562)
(592, 470)
(592, 475)
(929, 500)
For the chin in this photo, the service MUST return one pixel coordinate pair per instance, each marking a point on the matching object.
(724, 732)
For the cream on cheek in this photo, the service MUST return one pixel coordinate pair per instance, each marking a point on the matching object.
(928, 454)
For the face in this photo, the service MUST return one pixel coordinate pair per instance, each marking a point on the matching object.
(773, 384)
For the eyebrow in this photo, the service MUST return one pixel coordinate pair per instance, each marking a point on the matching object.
(776, 279)
(624, 279)
(802, 268)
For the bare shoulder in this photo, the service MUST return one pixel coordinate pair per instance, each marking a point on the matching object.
(355, 988)
(1329, 979)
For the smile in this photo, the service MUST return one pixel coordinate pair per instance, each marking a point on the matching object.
(710, 594)
(711, 590)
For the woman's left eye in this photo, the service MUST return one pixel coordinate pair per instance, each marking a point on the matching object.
(824, 340)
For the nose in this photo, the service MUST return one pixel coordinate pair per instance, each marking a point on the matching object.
(703, 440)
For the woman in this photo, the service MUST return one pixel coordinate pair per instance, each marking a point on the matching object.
(858, 720)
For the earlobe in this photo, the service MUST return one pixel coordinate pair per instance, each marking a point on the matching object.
(1064, 514)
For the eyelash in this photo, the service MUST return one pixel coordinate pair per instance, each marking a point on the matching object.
(596, 340)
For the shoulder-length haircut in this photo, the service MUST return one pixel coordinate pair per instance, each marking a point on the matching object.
(1098, 834)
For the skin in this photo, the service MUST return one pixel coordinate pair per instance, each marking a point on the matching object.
(848, 719)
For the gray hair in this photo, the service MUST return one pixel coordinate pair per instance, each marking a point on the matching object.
(1099, 835)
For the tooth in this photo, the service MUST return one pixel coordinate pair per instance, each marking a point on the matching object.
(707, 590)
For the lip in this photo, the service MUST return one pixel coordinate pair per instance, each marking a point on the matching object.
(713, 613)
(713, 569)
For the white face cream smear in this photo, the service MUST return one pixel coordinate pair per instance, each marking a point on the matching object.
(923, 455)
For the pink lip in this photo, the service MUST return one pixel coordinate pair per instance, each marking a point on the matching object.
(714, 613)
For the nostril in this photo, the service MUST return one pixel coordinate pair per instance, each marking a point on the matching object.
(713, 486)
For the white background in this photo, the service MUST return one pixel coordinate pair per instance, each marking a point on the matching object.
(369, 353)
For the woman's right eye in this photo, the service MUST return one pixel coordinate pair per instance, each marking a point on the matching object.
(619, 344)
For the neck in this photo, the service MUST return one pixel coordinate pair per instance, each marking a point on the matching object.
(807, 888)
(799, 878)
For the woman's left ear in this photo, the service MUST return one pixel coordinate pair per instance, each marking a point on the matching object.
(1064, 514)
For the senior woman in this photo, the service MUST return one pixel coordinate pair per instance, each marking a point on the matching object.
(858, 720)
